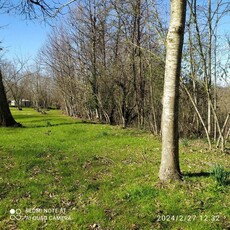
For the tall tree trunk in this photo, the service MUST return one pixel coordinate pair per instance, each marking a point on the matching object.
(208, 83)
(170, 168)
(6, 118)
(193, 68)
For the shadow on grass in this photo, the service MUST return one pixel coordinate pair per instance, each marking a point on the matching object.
(49, 123)
(200, 174)
(227, 151)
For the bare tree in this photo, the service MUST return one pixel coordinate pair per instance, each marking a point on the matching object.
(201, 74)
(35, 9)
(170, 168)
(13, 73)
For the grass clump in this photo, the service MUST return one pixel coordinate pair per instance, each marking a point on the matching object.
(185, 142)
(220, 175)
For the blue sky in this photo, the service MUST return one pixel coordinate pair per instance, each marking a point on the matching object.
(24, 38)
(21, 37)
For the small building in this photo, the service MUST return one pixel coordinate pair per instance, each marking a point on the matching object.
(25, 103)
(13, 103)
(22, 103)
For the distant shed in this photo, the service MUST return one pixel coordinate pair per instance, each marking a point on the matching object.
(25, 103)
(22, 103)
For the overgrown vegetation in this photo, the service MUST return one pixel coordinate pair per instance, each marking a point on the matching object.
(104, 177)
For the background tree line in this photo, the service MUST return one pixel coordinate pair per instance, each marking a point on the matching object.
(105, 60)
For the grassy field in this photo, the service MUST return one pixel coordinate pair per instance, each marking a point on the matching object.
(61, 173)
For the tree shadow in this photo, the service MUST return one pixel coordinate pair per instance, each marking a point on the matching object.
(200, 174)
(49, 125)
(227, 151)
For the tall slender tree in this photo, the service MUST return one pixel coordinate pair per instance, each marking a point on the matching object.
(170, 168)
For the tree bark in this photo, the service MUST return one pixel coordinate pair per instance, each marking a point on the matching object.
(209, 57)
(170, 168)
(6, 118)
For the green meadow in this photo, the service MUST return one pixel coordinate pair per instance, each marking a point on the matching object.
(62, 173)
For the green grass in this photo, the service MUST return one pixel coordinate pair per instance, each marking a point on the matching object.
(103, 177)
